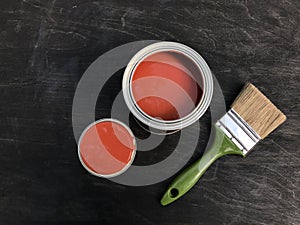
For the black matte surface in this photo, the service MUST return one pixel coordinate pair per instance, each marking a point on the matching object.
(45, 46)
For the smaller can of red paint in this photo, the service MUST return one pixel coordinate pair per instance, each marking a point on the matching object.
(167, 86)
(106, 148)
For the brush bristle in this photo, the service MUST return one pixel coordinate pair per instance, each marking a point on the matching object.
(258, 111)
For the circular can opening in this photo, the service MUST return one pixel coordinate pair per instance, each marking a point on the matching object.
(106, 148)
(167, 85)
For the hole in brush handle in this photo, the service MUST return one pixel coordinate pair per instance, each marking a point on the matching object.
(174, 192)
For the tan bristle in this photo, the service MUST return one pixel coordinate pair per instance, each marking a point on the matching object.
(258, 111)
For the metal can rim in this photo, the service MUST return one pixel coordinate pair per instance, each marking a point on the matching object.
(189, 119)
(133, 150)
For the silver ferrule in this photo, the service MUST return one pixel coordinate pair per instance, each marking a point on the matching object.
(239, 131)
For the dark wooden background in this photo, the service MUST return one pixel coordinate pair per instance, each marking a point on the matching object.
(45, 46)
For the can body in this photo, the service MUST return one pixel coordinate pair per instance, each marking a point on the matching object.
(175, 73)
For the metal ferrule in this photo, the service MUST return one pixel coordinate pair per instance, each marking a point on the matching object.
(238, 130)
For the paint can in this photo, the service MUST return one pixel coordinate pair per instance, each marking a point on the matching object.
(106, 148)
(167, 86)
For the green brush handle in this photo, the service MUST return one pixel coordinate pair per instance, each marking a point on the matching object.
(189, 177)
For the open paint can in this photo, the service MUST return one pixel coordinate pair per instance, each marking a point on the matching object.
(167, 86)
(106, 148)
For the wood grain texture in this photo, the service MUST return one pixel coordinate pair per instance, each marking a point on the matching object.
(45, 46)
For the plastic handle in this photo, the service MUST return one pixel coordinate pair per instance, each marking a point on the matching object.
(189, 177)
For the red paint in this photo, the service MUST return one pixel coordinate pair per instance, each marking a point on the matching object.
(106, 147)
(162, 82)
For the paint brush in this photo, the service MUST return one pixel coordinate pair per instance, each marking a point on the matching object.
(252, 117)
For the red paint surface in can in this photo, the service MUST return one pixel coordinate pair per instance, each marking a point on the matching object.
(106, 148)
(164, 85)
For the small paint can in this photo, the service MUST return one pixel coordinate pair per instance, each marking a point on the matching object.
(106, 148)
(167, 86)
